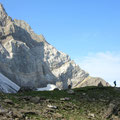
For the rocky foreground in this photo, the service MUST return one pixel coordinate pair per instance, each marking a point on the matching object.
(88, 103)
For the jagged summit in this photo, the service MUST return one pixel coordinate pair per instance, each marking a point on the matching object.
(2, 8)
(4, 18)
(29, 60)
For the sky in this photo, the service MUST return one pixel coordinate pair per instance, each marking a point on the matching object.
(87, 30)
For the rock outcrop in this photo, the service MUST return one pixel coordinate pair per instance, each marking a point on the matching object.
(7, 86)
(29, 60)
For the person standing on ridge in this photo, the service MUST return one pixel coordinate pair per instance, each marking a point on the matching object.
(115, 83)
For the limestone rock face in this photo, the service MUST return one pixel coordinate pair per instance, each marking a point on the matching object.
(7, 86)
(93, 81)
(29, 60)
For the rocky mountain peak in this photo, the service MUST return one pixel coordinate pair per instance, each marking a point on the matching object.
(2, 9)
(29, 60)
(4, 18)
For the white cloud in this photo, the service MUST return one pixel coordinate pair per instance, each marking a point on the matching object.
(105, 65)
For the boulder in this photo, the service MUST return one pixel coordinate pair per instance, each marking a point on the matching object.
(71, 92)
(26, 89)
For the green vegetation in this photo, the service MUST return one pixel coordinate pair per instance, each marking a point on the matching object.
(85, 103)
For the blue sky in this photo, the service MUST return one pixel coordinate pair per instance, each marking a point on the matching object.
(85, 29)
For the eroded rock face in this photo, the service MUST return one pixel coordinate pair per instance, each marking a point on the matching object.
(7, 86)
(29, 60)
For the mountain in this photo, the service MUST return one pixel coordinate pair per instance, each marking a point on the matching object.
(29, 60)
(7, 86)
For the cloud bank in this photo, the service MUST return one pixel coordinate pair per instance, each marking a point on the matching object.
(105, 65)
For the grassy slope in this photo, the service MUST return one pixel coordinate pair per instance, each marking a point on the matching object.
(87, 103)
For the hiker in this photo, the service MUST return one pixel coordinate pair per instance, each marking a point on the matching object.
(115, 83)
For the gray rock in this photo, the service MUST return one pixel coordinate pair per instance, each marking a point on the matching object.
(7, 86)
(58, 116)
(17, 114)
(91, 115)
(113, 110)
(30, 61)
(52, 106)
(65, 99)
(35, 100)
(71, 92)
(83, 94)
(100, 85)
(8, 101)
(3, 111)
(26, 89)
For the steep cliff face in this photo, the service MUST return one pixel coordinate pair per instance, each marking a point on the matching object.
(29, 60)
(7, 86)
